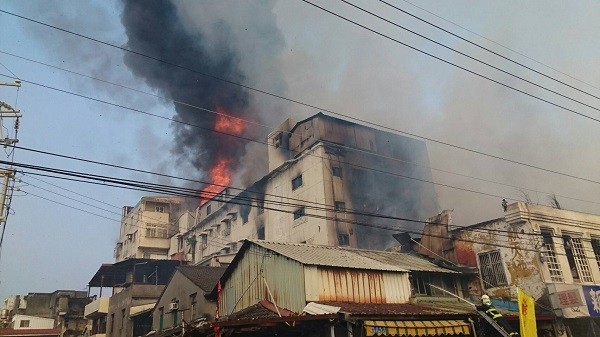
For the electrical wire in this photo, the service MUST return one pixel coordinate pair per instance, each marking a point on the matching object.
(270, 128)
(488, 50)
(476, 59)
(454, 64)
(295, 100)
(358, 223)
(501, 45)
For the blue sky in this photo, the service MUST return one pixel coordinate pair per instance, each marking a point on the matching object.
(315, 58)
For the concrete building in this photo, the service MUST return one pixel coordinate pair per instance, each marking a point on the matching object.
(373, 291)
(183, 299)
(135, 286)
(64, 307)
(147, 227)
(326, 176)
(31, 322)
(552, 254)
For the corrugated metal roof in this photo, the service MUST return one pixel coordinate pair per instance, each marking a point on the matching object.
(351, 258)
(387, 309)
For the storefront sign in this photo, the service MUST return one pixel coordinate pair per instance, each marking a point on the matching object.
(592, 299)
(569, 298)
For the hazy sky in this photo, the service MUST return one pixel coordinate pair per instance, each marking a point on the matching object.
(298, 51)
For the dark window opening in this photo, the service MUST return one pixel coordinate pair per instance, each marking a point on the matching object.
(340, 206)
(336, 171)
(208, 209)
(343, 239)
(260, 233)
(299, 213)
(296, 182)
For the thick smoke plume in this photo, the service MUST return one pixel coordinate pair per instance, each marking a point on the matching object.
(155, 29)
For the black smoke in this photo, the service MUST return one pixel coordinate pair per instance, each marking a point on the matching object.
(154, 28)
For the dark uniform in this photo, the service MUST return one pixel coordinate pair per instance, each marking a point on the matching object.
(498, 318)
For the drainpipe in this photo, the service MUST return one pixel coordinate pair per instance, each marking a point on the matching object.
(332, 331)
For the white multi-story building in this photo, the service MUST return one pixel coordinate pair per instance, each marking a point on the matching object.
(147, 228)
(326, 176)
(552, 254)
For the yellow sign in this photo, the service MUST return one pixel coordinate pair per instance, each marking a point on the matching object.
(526, 314)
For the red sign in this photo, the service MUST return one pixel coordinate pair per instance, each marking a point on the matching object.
(569, 298)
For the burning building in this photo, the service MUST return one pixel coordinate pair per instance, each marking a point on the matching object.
(330, 182)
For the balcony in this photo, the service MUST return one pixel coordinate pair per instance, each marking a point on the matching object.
(97, 308)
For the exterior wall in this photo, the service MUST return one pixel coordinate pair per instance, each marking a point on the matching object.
(342, 165)
(525, 261)
(146, 228)
(118, 323)
(357, 286)
(183, 291)
(31, 322)
(246, 286)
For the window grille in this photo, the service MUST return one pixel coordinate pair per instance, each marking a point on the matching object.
(583, 268)
(492, 270)
(550, 256)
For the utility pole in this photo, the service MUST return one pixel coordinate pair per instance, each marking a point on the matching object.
(7, 174)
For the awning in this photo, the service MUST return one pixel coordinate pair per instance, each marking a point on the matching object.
(417, 328)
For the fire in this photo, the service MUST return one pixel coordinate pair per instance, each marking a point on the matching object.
(220, 173)
(220, 176)
(228, 124)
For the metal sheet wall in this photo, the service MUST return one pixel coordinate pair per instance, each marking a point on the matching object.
(353, 285)
(246, 286)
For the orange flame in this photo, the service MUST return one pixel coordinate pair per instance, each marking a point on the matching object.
(220, 176)
(228, 124)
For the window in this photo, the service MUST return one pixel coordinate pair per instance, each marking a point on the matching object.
(336, 171)
(161, 318)
(193, 305)
(24, 323)
(578, 263)
(550, 256)
(227, 229)
(203, 241)
(596, 248)
(343, 239)
(421, 284)
(296, 182)
(299, 213)
(208, 209)
(112, 323)
(260, 233)
(159, 209)
(339, 206)
(154, 230)
(492, 269)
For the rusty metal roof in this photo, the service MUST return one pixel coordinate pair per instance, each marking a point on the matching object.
(389, 309)
(352, 258)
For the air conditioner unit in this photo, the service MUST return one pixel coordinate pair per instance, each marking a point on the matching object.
(174, 306)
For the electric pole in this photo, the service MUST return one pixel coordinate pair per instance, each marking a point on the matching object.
(8, 140)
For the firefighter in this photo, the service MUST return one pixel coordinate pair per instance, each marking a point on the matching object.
(489, 310)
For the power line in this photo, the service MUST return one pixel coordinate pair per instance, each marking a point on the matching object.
(266, 143)
(476, 59)
(487, 49)
(451, 63)
(267, 126)
(248, 202)
(501, 45)
(306, 104)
